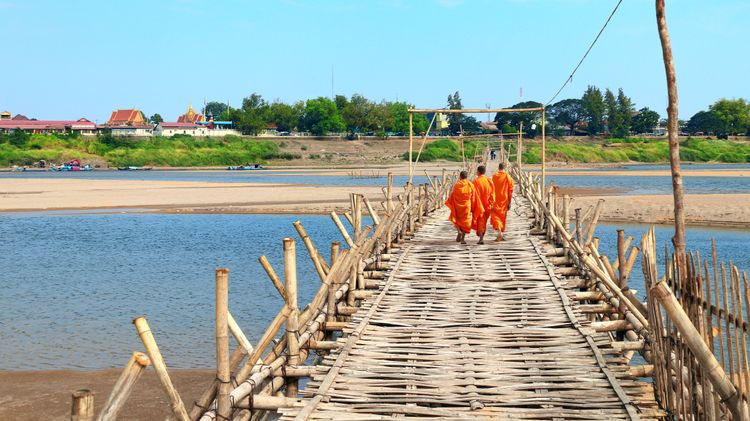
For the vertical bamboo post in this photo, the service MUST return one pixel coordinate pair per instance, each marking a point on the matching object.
(518, 146)
(621, 257)
(578, 225)
(389, 208)
(544, 145)
(83, 405)
(224, 405)
(121, 391)
(290, 285)
(147, 337)
(566, 212)
(672, 131)
(335, 245)
(411, 143)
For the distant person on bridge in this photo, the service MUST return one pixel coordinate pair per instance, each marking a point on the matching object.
(503, 193)
(464, 205)
(486, 192)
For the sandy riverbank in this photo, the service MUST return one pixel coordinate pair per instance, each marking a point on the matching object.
(46, 395)
(123, 195)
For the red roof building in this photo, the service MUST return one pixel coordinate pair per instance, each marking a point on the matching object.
(191, 116)
(82, 126)
(128, 117)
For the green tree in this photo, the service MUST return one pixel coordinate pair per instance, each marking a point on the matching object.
(624, 115)
(612, 112)
(734, 115)
(515, 119)
(156, 119)
(359, 114)
(285, 116)
(400, 116)
(645, 121)
(252, 118)
(455, 119)
(215, 109)
(18, 138)
(706, 122)
(321, 117)
(593, 108)
(568, 113)
(341, 102)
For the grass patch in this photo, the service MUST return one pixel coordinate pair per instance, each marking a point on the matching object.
(178, 151)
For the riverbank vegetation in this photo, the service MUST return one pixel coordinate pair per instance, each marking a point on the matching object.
(18, 148)
(599, 151)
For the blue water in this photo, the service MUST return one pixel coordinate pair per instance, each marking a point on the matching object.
(286, 177)
(638, 185)
(731, 245)
(72, 283)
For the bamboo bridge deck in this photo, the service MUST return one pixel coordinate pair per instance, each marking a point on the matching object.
(473, 332)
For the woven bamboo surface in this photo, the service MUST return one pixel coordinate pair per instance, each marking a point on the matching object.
(473, 332)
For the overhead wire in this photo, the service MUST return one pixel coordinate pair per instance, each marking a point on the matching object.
(570, 78)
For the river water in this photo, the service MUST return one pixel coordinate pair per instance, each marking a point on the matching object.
(72, 281)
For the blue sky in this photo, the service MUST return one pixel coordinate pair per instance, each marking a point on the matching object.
(67, 59)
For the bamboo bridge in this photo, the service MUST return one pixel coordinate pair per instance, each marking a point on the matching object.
(409, 324)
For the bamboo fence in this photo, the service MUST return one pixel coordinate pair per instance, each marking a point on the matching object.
(252, 381)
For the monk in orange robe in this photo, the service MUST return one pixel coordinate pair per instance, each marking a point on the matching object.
(503, 184)
(464, 204)
(486, 192)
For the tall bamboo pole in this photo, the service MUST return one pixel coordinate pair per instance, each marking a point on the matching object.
(411, 144)
(672, 129)
(518, 146)
(544, 157)
(224, 405)
(290, 278)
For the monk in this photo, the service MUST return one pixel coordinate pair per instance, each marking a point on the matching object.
(464, 204)
(486, 192)
(503, 192)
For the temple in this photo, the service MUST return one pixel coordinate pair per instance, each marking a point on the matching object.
(191, 116)
(127, 117)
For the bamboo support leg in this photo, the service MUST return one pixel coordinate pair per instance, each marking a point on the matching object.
(224, 405)
(147, 337)
(292, 323)
(83, 405)
(124, 385)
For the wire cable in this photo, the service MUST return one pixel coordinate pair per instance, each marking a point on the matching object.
(570, 78)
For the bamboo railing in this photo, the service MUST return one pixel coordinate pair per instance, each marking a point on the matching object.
(700, 335)
(251, 381)
(692, 332)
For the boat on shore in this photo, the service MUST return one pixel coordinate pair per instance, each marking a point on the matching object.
(132, 168)
(248, 167)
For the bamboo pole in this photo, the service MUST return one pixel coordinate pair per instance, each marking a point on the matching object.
(292, 323)
(694, 341)
(83, 405)
(342, 229)
(272, 275)
(124, 385)
(544, 148)
(519, 146)
(147, 337)
(411, 144)
(672, 130)
(317, 260)
(371, 211)
(224, 405)
(335, 245)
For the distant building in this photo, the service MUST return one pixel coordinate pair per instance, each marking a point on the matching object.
(4, 115)
(200, 129)
(128, 122)
(127, 117)
(191, 116)
(81, 126)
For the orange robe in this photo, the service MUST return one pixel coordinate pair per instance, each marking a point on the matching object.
(503, 192)
(486, 192)
(463, 203)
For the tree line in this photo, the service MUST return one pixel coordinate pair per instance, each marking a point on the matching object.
(597, 112)
(319, 116)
